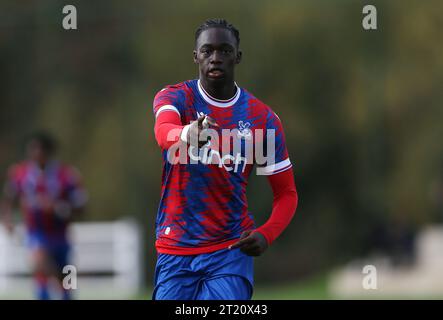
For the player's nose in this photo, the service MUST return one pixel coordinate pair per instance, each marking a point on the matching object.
(216, 57)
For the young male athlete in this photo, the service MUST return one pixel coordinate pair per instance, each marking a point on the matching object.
(48, 193)
(206, 236)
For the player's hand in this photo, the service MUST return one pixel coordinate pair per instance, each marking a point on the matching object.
(251, 243)
(196, 127)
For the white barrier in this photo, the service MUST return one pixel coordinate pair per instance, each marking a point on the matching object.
(106, 255)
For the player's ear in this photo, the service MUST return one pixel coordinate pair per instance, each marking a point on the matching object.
(195, 56)
(238, 57)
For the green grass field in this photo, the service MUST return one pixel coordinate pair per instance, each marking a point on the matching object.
(315, 288)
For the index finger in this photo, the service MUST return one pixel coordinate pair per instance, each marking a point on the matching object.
(201, 118)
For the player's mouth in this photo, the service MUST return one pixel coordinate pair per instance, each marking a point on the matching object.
(216, 73)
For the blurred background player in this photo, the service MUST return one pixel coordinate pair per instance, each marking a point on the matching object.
(48, 194)
(206, 237)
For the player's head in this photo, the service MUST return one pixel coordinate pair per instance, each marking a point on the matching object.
(217, 50)
(40, 147)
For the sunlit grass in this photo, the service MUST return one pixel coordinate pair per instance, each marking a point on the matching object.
(315, 288)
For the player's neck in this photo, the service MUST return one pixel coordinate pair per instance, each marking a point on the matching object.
(222, 91)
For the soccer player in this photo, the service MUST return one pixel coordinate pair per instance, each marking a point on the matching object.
(49, 194)
(205, 236)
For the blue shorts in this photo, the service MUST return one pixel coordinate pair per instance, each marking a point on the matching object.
(57, 251)
(220, 275)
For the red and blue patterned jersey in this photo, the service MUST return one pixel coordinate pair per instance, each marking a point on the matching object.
(40, 191)
(203, 206)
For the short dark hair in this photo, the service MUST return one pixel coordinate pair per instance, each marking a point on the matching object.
(44, 139)
(217, 23)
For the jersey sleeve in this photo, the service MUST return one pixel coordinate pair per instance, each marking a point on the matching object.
(277, 157)
(171, 99)
(168, 108)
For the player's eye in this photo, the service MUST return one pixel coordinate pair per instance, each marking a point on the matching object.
(205, 51)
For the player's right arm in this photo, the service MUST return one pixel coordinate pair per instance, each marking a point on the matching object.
(169, 129)
(9, 197)
(167, 108)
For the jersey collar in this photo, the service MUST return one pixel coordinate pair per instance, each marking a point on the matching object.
(217, 102)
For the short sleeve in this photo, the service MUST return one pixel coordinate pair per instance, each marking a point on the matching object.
(276, 152)
(170, 98)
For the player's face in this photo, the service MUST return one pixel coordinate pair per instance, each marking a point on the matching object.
(216, 54)
(36, 152)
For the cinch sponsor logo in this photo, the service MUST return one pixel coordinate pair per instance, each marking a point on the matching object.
(206, 155)
(232, 150)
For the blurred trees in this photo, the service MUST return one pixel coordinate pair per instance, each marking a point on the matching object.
(361, 109)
